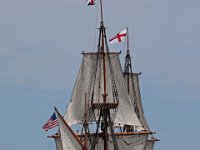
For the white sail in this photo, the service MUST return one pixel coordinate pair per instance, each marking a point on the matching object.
(125, 142)
(69, 139)
(58, 142)
(140, 113)
(132, 142)
(83, 85)
(90, 78)
(149, 145)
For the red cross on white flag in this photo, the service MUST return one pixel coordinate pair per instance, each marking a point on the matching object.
(119, 37)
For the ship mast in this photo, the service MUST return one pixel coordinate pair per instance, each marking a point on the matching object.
(85, 125)
(129, 77)
(128, 70)
(104, 107)
(127, 65)
(102, 50)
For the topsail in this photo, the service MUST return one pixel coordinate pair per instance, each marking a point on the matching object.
(90, 81)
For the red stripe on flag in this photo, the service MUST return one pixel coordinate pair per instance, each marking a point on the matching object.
(118, 36)
(51, 123)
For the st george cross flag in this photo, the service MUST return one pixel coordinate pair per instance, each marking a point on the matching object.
(51, 123)
(91, 2)
(119, 37)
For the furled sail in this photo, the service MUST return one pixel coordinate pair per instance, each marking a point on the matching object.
(133, 80)
(125, 142)
(69, 139)
(90, 82)
(132, 142)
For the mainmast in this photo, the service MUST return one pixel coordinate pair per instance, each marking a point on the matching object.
(102, 50)
(104, 106)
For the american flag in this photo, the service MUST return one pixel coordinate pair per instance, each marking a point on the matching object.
(51, 123)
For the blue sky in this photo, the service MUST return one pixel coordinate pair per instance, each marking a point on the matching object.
(40, 46)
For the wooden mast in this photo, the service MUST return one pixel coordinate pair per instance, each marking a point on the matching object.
(104, 121)
(85, 125)
(104, 113)
(127, 62)
(129, 77)
(128, 70)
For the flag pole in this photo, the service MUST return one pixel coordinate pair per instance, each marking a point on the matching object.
(101, 5)
(127, 40)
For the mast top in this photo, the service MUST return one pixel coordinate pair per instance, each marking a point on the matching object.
(127, 39)
(101, 5)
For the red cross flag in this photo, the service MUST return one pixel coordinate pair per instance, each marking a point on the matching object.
(119, 37)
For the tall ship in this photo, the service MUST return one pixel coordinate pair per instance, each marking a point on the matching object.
(105, 110)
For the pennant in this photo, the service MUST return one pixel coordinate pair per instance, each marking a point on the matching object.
(119, 37)
(91, 2)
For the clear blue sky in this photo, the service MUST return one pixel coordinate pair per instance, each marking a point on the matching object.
(40, 45)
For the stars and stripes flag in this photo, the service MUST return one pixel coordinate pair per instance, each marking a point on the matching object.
(91, 2)
(51, 123)
(119, 37)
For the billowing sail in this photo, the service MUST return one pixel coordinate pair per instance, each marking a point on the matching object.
(90, 82)
(69, 139)
(149, 145)
(133, 80)
(83, 86)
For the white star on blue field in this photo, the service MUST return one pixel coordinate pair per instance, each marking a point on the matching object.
(40, 46)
